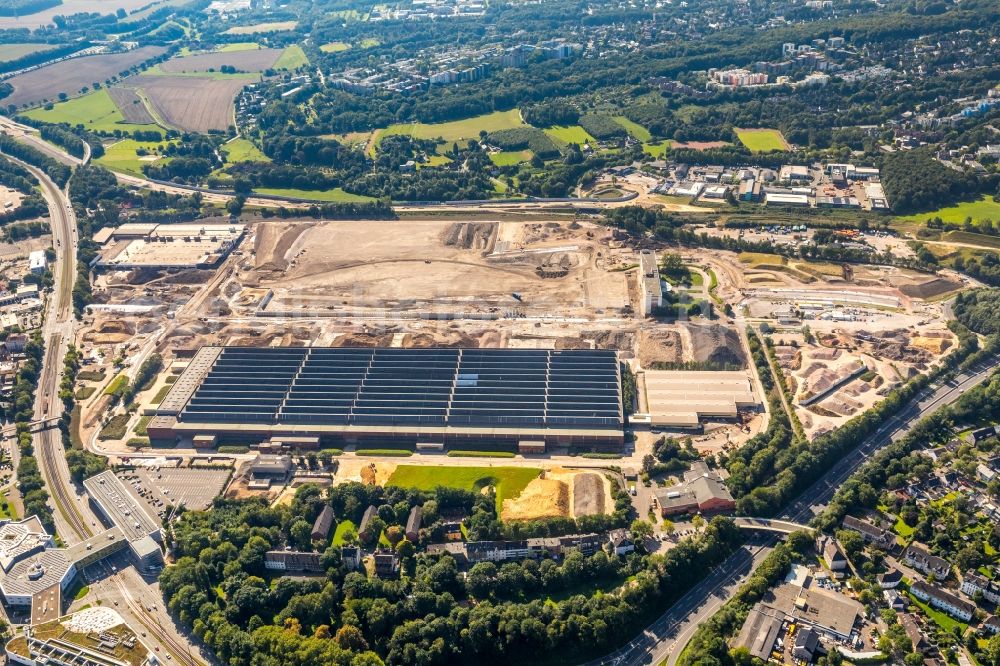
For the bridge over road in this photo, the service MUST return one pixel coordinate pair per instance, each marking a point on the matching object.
(770, 525)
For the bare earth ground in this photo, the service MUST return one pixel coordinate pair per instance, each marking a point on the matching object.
(561, 493)
(430, 265)
(70, 76)
(192, 103)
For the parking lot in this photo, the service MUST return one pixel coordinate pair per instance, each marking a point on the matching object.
(160, 487)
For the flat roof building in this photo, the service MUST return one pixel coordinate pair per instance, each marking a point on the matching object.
(116, 506)
(37, 262)
(649, 282)
(351, 395)
(682, 398)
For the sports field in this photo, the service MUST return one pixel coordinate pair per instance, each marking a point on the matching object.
(762, 140)
(570, 134)
(292, 58)
(983, 209)
(242, 150)
(334, 47)
(508, 481)
(96, 111)
(456, 130)
(122, 156)
(336, 195)
(510, 157)
(637, 131)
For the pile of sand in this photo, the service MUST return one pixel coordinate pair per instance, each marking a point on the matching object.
(542, 498)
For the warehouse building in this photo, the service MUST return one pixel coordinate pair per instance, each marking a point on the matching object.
(397, 396)
(686, 398)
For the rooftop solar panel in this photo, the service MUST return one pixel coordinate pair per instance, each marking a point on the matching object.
(388, 386)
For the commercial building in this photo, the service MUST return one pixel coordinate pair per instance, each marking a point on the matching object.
(115, 505)
(943, 600)
(702, 491)
(397, 396)
(760, 631)
(684, 398)
(650, 284)
(34, 574)
(781, 199)
(37, 263)
(166, 246)
(91, 637)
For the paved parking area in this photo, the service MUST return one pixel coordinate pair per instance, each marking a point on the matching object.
(194, 488)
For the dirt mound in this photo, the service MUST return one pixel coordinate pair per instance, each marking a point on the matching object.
(618, 340)
(934, 344)
(571, 343)
(192, 276)
(716, 343)
(930, 289)
(468, 235)
(588, 495)
(660, 346)
(115, 326)
(542, 498)
(363, 340)
(447, 339)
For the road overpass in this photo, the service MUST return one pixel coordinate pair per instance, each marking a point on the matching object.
(770, 525)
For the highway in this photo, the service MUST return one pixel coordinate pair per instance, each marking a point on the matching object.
(74, 519)
(664, 640)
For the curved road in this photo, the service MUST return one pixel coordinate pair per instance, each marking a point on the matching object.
(664, 640)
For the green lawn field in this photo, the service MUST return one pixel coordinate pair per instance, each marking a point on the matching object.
(343, 528)
(95, 111)
(336, 195)
(762, 140)
(436, 160)
(983, 209)
(570, 134)
(205, 74)
(334, 47)
(638, 132)
(657, 150)
(238, 46)
(456, 130)
(242, 150)
(970, 238)
(509, 481)
(369, 43)
(510, 157)
(122, 156)
(10, 52)
(261, 28)
(292, 58)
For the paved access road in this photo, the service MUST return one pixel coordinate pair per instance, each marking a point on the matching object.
(664, 640)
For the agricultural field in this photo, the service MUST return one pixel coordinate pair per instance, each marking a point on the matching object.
(292, 57)
(238, 46)
(334, 47)
(69, 7)
(122, 156)
(98, 112)
(509, 482)
(131, 105)
(262, 28)
(762, 140)
(245, 60)
(243, 150)
(637, 131)
(191, 103)
(511, 157)
(369, 43)
(10, 52)
(336, 195)
(569, 134)
(457, 130)
(71, 76)
(984, 208)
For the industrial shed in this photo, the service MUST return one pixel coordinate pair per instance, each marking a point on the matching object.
(403, 396)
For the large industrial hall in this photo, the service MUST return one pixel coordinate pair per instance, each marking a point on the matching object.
(409, 396)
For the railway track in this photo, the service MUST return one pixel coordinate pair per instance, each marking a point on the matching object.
(177, 650)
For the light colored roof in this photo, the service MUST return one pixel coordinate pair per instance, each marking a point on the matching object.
(20, 538)
(36, 573)
(122, 509)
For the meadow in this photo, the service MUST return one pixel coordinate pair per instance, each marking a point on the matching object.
(96, 111)
(508, 481)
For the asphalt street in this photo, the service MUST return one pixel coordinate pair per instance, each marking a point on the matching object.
(664, 640)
